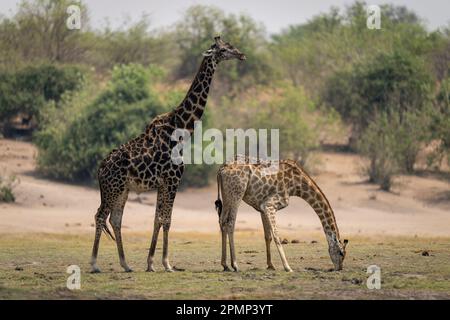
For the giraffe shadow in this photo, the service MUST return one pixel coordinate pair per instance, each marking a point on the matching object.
(318, 270)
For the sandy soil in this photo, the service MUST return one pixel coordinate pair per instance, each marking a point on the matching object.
(417, 206)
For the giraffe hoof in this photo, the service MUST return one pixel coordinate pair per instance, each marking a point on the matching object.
(271, 268)
(150, 269)
(236, 269)
(129, 270)
(95, 270)
(226, 269)
(169, 270)
(288, 270)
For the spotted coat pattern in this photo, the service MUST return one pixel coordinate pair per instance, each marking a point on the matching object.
(145, 163)
(268, 192)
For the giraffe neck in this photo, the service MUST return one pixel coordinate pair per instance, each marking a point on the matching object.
(193, 105)
(308, 190)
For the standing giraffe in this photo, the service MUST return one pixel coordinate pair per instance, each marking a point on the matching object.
(268, 193)
(145, 163)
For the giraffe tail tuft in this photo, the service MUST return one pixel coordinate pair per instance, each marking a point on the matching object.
(218, 204)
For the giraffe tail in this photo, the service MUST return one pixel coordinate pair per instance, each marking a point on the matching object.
(107, 231)
(218, 202)
(101, 217)
(103, 212)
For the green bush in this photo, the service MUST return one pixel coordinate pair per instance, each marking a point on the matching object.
(197, 175)
(29, 89)
(391, 143)
(308, 54)
(378, 144)
(77, 136)
(301, 123)
(6, 189)
(394, 83)
(73, 151)
(440, 125)
(412, 132)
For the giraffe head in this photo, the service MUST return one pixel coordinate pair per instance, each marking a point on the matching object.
(223, 51)
(336, 248)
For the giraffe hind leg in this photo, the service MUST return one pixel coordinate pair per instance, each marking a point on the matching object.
(268, 239)
(116, 222)
(232, 197)
(100, 225)
(163, 216)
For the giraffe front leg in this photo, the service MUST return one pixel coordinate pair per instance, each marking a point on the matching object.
(232, 251)
(165, 258)
(116, 223)
(163, 215)
(268, 239)
(224, 251)
(166, 198)
(276, 238)
(151, 252)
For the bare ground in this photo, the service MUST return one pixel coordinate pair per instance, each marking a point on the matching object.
(418, 205)
(406, 233)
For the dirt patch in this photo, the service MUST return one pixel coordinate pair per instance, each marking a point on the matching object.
(418, 206)
(403, 277)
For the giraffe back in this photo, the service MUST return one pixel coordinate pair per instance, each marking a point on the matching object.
(259, 182)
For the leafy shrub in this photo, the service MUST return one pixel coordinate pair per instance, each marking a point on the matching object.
(73, 150)
(440, 124)
(392, 142)
(378, 144)
(7, 185)
(412, 131)
(77, 136)
(302, 125)
(395, 83)
(197, 175)
(27, 90)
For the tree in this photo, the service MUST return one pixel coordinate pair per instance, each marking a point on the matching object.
(38, 31)
(201, 24)
(72, 150)
(27, 90)
(308, 54)
(394, 83)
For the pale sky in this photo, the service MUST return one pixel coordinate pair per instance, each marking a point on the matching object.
(274, 14)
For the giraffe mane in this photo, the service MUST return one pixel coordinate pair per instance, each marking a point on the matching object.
(297, 166)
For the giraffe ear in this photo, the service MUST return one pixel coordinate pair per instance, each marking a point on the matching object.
(345, 243)
(208, 53)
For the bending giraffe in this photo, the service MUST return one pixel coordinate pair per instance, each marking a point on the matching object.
(269, 192)
(145, 163)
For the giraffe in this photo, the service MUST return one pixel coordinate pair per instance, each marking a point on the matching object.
(268, 193)
(144, 163)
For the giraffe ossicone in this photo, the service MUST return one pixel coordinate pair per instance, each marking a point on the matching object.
(144, 163)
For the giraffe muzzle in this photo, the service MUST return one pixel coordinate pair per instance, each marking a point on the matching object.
(242, 57)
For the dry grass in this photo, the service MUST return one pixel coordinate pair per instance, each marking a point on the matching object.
(33, 266)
